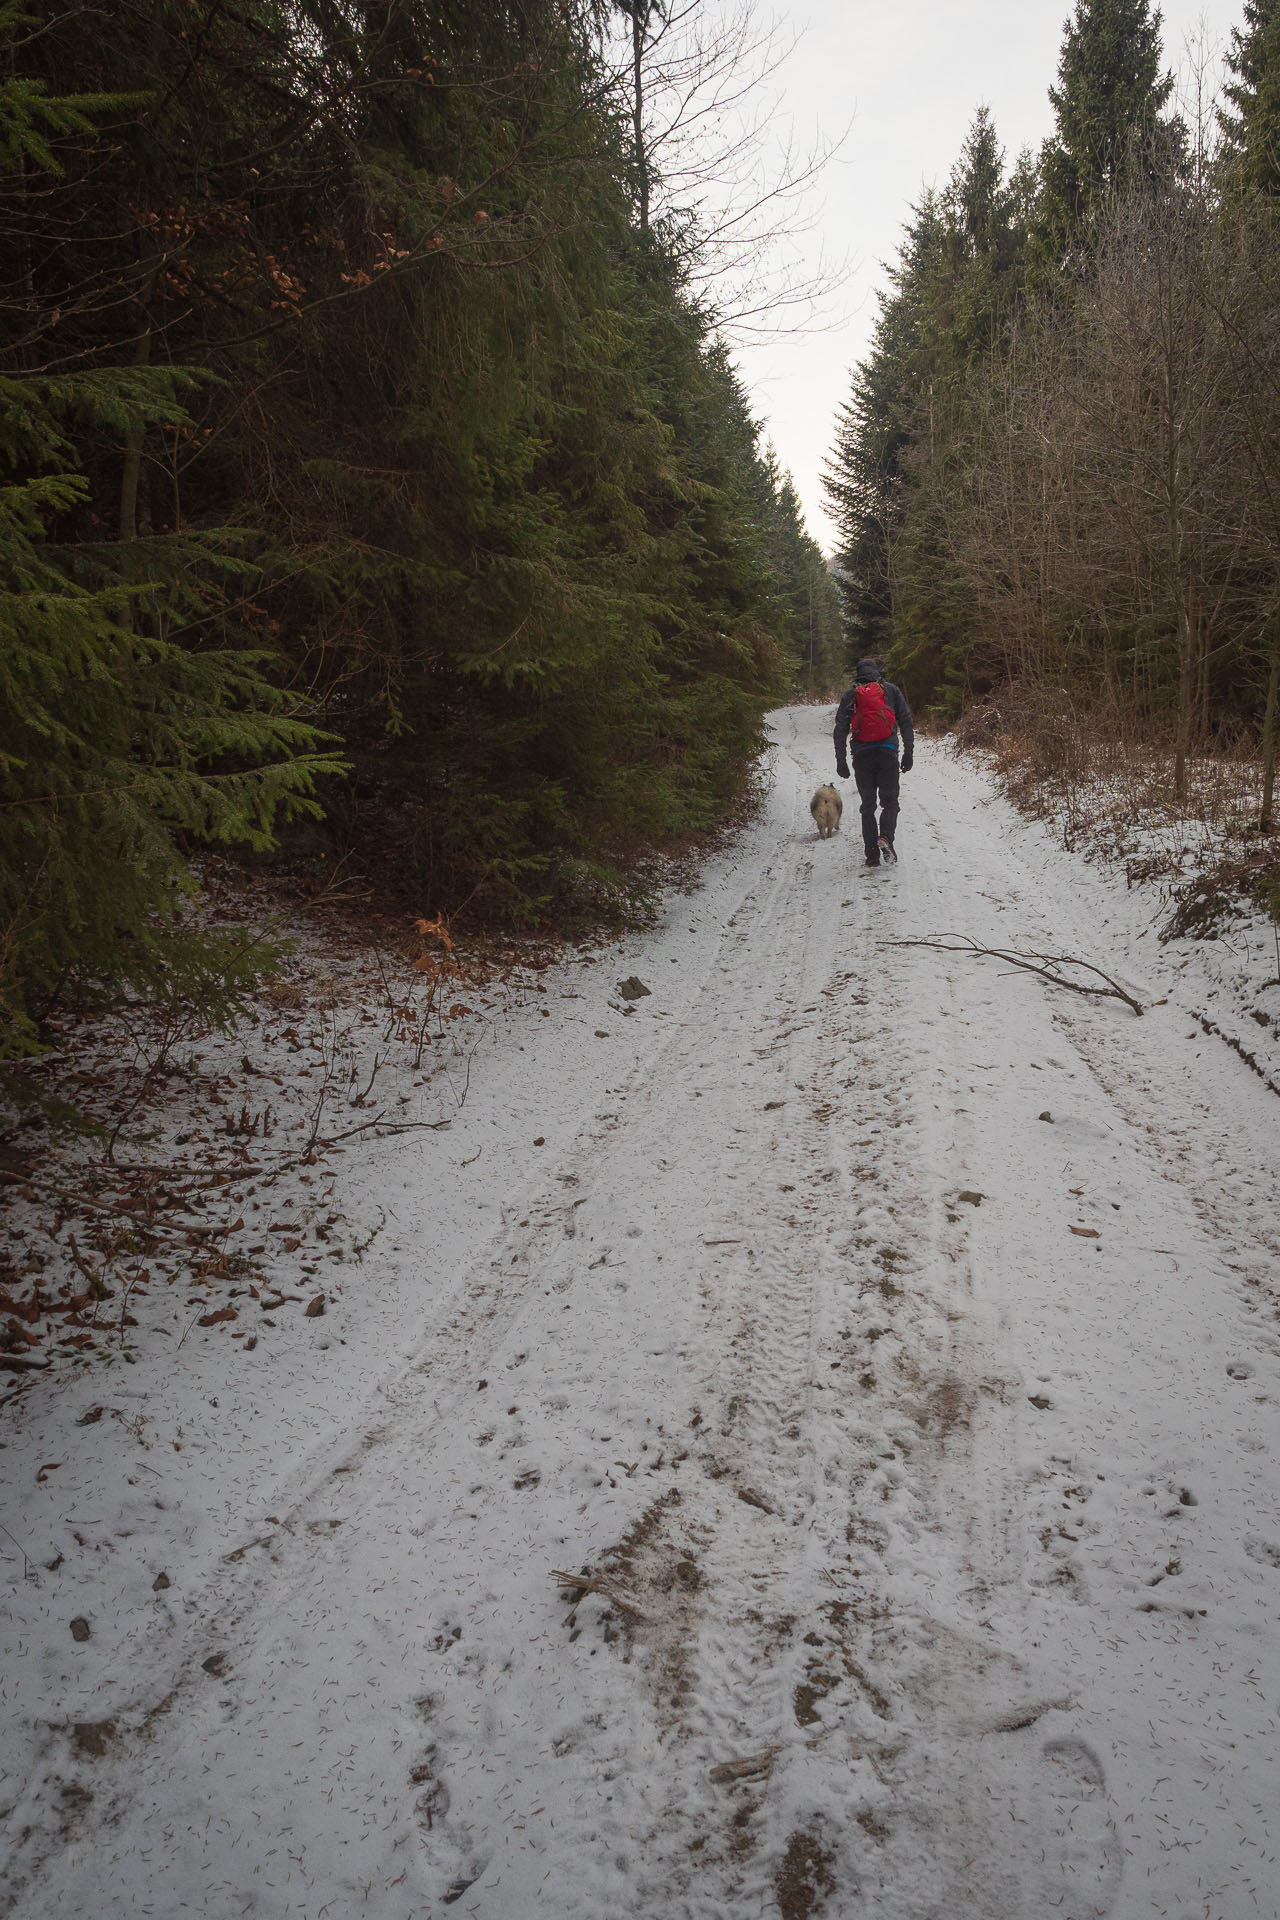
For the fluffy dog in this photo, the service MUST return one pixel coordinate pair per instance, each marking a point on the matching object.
(826, 807)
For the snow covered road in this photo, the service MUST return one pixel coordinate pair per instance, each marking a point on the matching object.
(888, 1343)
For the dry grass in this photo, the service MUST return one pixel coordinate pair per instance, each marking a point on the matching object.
(1111, 792)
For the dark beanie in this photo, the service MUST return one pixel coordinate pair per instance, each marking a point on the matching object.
(869, 670)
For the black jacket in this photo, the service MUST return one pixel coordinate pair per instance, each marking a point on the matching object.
(901, 713)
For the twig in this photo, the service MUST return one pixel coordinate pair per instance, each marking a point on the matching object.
(361, 1098)
(1041, 963)
(28, 1571)
(755, 1766)
(388, 1126)
(583, 1583)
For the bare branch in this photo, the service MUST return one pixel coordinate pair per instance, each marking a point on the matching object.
(1045, 964)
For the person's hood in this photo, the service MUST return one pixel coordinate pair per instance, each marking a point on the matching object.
(868, 670)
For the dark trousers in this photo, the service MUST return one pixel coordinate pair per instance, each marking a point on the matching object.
(875, 770)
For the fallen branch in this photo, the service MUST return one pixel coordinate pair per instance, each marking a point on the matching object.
(583, 1584)
(1042, 963)
(756, 1766)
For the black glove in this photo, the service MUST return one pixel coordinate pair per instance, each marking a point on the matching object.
(908, 761)
(842, 770)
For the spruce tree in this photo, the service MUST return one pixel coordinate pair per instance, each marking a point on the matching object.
(126, 731)
(1110, 105)
(504, 496)
(865, 477)
(1251, 124)
(901, 439)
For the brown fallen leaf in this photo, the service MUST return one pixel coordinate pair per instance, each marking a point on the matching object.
(50, 1466)
(1087, 1233)
(216, 1318)
(29, 1310)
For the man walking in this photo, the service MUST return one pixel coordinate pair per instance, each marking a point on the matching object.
(874, 722)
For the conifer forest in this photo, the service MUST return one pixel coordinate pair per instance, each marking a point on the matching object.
(604, 1312)
(376, 472)
(1058, 472)
(371, 469)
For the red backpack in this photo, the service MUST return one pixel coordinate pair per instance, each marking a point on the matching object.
(872, 718)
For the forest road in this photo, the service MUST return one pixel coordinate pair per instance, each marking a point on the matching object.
(890, 1349)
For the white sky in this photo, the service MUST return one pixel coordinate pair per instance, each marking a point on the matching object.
(911, 74)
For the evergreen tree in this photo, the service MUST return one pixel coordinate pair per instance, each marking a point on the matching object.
(1251, 124)
(807, 601)
(1110, 106)
(901, 440)
(864, 479)
(118, 743)
(503, 495)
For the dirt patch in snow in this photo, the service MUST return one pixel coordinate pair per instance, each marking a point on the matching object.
(804, 1878)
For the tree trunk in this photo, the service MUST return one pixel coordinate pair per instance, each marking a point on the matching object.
(1186, 694)
(1271, 736)
(638, 13)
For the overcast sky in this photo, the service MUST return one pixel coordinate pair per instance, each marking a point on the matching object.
(907, 76)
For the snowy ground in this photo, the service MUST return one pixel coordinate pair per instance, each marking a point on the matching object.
(888, 1337)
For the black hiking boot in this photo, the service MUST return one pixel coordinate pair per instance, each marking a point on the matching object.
(886, 848)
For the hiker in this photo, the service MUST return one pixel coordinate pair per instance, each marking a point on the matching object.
(868, 720)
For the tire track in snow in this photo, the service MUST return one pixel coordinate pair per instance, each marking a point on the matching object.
(796, 1680)
(750, 1270)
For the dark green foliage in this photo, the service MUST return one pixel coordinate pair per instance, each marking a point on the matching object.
(1110, 105)
(118, 743)
(502, 525)
(900, 440)
(865, 479)
(1251, 122)
(806, 597)
(125, 730)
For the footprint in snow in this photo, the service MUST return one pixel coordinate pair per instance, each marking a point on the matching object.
(1083, 1857)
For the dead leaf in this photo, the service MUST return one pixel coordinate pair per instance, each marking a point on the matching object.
(29, 1310)
(1087, 1233)
(216, 1318)
(50, 1466)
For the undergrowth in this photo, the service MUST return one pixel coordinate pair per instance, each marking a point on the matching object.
(1111, 792)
